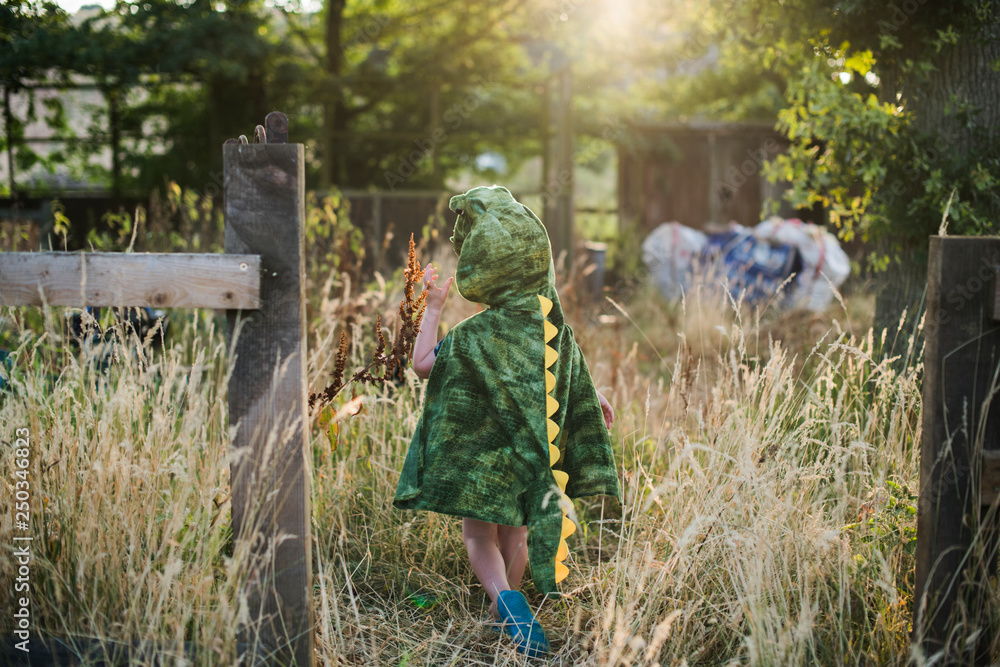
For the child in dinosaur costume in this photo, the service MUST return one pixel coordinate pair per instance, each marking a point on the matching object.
(512, 426)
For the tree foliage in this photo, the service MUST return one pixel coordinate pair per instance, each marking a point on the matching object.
(32, 42)
(889, 108)
(905, 141)
(879, 102)
(400, 94)
(176, 80)
(384, 94)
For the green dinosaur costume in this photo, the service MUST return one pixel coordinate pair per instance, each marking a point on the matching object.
(482, 446)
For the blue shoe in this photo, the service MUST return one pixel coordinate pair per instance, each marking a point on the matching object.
(520, 624)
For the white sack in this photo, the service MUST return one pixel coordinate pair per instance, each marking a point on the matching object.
(667, 253)
(824, 261)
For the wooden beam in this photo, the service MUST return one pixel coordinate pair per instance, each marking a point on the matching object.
(996, 293)
(565, 178)
(990, 481)
(265, 215)
(158, 280)
(961, 356)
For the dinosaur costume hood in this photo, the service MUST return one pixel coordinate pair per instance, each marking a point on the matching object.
(511, 427)
(502, 247)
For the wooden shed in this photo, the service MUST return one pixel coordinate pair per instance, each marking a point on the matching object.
(697, 173)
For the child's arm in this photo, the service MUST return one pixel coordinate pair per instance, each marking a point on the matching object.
(423, 348)
(609, 412)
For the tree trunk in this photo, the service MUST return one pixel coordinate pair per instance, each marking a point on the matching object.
(334, 111)
(8, 123)
(900, 301)
(114, 120)
(962, 81)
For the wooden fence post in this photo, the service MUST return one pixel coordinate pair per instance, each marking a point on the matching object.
(956, 527)
(265, 215)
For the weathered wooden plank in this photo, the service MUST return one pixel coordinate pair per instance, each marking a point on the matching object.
(265, 215)
(962, 352)
(996, 293)
(990, 481)
(159, 280)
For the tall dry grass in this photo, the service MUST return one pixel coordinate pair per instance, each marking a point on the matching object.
(769, 475)
(128, 483)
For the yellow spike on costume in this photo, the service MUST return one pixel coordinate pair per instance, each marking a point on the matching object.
(551, 405)
(546, 305)
(550, 331)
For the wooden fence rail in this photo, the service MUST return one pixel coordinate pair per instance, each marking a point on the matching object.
(157, 280)
(261, 282)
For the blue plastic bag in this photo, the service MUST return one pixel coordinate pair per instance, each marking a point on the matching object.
(753, 268)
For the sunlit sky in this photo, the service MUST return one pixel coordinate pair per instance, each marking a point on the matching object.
(72, 6)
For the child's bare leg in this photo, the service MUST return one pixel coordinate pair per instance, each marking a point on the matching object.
(514, 549)
(484, 555)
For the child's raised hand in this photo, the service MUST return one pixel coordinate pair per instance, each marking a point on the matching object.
(609, 412)
(436, 296)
